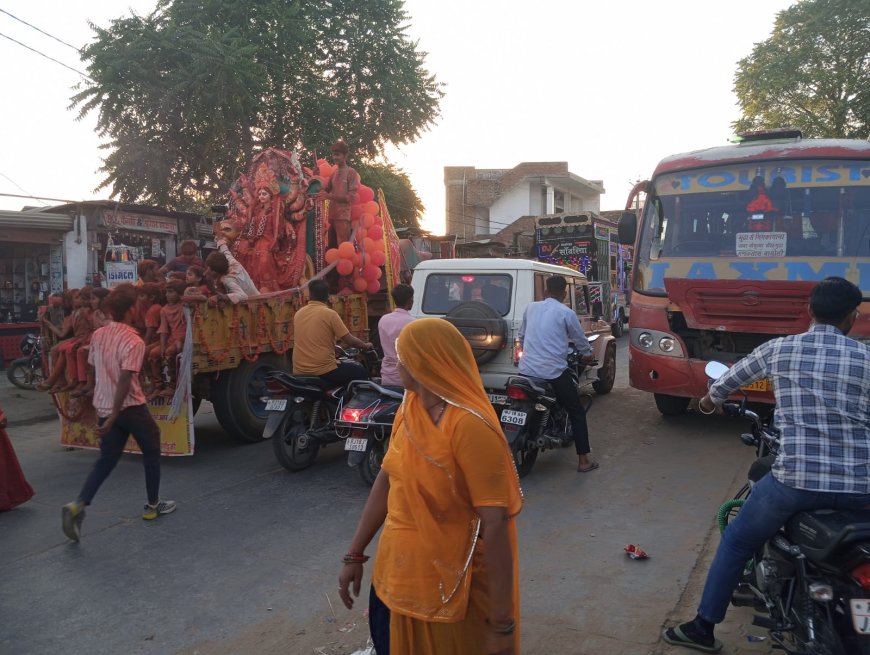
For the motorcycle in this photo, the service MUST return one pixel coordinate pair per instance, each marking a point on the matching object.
(365, 422)
(26, 372)
(532, 419)
(301, 413)
(812, 579)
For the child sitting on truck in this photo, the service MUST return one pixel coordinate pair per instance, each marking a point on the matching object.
(98, 319)
(77, 328)
(197, 289)
(172, 330)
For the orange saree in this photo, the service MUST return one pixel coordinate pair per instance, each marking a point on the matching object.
(430, 567)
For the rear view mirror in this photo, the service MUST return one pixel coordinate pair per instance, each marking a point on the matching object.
(627, 228)
(715, 370)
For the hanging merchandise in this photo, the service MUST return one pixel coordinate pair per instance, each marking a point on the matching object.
(120, 264)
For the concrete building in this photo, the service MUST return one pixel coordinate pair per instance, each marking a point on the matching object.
(482, 202)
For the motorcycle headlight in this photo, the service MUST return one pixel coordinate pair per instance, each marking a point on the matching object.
(645, 340)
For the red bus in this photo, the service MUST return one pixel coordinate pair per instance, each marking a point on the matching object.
(730, 242)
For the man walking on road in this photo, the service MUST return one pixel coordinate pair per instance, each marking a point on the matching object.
(116, 354)
(820, 380)
(547, 328)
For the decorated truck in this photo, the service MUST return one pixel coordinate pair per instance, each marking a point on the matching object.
(589, 243)
(277, 227)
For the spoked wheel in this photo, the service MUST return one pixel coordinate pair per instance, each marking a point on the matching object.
(524, 458)
(374, 459)
(294, 450)
(23, 376)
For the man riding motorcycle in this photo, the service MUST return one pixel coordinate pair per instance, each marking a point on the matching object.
(548, 326)
(317, 328)
(820, 380)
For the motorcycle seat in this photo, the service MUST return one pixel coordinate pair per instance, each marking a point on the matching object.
(298, 382)
(823, 532)
(537, 385)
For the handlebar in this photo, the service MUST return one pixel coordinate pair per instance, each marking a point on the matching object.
(759, 430)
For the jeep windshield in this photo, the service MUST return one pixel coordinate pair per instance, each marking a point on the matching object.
(783, 220)
(443, 291)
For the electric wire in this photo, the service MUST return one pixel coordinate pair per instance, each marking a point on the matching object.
(51, 36)
(46, 56)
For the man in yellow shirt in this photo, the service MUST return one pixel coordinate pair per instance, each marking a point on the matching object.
(317, 328)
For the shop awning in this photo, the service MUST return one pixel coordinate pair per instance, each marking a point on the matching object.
(36, 221)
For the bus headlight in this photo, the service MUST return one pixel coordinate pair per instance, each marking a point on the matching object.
(645, 340)
(666, 344)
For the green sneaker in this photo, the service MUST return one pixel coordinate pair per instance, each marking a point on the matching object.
(162, 507)
(72, 515)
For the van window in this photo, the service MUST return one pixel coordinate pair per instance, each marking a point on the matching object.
(540, 289)
(581, 299)
(443, 291)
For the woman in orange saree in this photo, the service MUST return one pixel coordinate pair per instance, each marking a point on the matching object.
(447, 497)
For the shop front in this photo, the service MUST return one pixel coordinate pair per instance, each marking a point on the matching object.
(31, 268)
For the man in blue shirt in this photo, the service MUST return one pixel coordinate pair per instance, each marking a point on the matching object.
(547, 328)
(820, 380)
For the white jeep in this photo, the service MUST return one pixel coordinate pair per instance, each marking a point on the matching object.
(485, 299)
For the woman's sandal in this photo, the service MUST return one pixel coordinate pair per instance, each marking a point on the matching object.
(677, 637)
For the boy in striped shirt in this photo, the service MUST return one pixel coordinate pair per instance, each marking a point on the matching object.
(116, 354)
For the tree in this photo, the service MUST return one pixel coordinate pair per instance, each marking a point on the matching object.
(404, 205)
(812, 73)
(186, 95)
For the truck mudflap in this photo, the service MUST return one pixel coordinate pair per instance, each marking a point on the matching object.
(272, 422)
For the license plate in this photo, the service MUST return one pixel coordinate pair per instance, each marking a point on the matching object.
(758, 385)
(276, 404)
(861, 615)
(355, 443)
(497, 399)
(513, 417)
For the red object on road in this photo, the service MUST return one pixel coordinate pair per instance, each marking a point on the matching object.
(635, 552)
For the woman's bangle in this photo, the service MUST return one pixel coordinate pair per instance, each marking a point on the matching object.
(355, 557)
(505, 629)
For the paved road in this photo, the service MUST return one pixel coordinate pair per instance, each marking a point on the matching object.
(248, 563)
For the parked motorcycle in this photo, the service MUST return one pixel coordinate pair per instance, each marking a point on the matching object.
(365, 422)
(301, 413)
(532, 419)
(26, 372)
(812, 579)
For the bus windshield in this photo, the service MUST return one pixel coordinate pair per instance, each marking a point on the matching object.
(748, 221)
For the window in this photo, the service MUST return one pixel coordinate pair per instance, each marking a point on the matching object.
(443, 291)
(581, 299)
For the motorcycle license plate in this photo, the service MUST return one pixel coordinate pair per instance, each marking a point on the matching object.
(355, 443)
(758, 385)
(861, 615)
(276, 404)
(497, 398)
(513, 417)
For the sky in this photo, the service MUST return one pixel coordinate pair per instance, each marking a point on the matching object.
(611, 88)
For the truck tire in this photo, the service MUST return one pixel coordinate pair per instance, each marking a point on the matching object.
(236, 397)
(482, 326)
(671, 405)
(607, 372)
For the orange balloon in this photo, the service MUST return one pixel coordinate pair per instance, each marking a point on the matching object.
(368, 244)
(376, 232)
(360, 284)
(370, 272)
(331, 255)
(378, 257)
(366, 259)
(367, 220)
(374, 287)
(357, 259)
(361, 234)
(346, 250)
(344, 267)
(371, 207)
(379, 221)
(365, 193)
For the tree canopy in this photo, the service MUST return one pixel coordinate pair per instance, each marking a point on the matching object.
(812, 73)
(187, 94)
(404, 205)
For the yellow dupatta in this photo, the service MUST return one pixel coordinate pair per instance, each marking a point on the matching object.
(421, 456)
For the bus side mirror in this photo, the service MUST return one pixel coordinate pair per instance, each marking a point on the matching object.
(627, 228)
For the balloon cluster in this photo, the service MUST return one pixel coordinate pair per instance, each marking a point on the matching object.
(360, 258)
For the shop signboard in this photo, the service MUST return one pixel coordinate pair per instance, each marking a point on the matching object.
(55, 263)
(120, 272)
(142, 222)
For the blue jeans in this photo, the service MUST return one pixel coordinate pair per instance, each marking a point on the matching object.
(767, 509)
(136, 420)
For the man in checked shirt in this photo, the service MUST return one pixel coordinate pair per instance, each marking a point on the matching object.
(821, 380)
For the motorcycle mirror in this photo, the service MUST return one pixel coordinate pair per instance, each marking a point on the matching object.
(715, 370)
